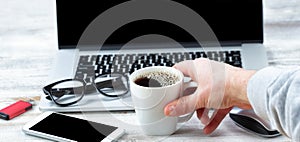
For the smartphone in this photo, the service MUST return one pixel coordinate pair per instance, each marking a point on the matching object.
(60, 127)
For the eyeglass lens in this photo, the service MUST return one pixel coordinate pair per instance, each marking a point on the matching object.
(67, 92)
(112, 84)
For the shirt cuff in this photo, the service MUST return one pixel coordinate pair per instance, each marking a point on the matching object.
(257, 89)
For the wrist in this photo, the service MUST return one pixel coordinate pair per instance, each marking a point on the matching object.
(238, 86)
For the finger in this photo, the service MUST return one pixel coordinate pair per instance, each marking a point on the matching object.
(216, 120)
(202, 115)
(187, 68)
(200, 112)
(183, 105)
(187, 104)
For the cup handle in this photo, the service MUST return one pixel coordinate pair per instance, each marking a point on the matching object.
(186, 117)
(190, 84)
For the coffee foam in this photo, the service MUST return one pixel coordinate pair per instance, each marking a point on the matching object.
(163, 77)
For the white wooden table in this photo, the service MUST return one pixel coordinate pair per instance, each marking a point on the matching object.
(27, 48)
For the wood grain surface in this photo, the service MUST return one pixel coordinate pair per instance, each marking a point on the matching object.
(28, 46)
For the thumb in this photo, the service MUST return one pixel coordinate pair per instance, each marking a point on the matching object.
(184, 105)
(187, 67)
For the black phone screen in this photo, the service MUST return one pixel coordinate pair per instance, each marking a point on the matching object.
(73, 128)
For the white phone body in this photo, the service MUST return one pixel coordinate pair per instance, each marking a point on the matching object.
(45, 118)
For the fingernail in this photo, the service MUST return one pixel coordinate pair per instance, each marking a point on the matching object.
(206, 131)
(204, 120)
(171, 110)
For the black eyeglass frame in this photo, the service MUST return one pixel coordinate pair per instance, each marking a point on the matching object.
(47, 89)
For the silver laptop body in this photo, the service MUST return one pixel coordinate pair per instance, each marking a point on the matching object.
(237, 25)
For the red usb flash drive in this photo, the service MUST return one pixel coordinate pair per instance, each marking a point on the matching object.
(15, 109)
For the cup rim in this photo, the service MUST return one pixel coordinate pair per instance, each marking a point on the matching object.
(131, 77)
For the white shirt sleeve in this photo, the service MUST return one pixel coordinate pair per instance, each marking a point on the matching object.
(274, 94)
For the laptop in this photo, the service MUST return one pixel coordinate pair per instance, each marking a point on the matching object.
(160, 33)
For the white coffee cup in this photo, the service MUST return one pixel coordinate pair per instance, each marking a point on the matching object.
(149, 102)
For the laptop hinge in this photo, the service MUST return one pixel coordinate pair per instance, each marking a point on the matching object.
(231, 43)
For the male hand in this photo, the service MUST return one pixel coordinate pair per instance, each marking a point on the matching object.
(220, 87)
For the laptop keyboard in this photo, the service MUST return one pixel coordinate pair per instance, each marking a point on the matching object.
(93, 65)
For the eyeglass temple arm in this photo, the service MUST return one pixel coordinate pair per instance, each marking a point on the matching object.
(111, 84)
(61, 92)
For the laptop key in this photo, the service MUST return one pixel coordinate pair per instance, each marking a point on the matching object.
(128, 63)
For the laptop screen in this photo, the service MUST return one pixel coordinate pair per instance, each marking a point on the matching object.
(232, 21)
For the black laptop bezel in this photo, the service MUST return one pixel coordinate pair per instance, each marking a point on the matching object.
(258, 39)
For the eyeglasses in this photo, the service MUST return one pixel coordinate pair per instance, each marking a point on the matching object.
(70, 91)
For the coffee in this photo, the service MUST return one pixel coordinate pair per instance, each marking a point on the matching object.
(156, 79)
